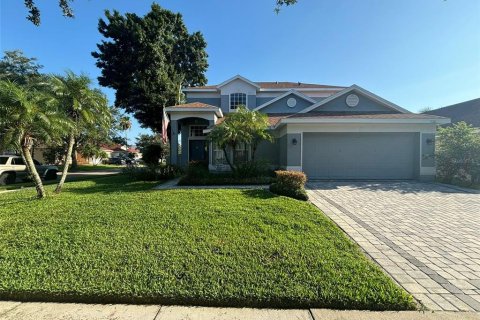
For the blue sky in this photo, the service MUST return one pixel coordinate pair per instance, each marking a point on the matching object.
(413, 53)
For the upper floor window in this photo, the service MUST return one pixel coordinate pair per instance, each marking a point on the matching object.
(237, 99)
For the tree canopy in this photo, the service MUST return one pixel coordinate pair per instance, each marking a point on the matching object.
(148, 60)
(242, 126)
(15, 66)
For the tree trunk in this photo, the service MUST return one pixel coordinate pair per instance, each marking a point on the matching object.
(228, 160)
(66, 162)
(74, 155)
(33, 171)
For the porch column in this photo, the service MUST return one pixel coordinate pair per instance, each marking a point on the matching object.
(174, 142)
(211, 123)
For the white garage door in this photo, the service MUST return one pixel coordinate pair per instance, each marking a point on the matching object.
(360, 155)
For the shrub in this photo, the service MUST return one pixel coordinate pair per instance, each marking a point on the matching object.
(223, 179)
(458, 153)
(290, 184)
(197, 169)
(153, 172)
(291, 179)
(252, 169)
(152, 153)
(299, 194)
(249, 173)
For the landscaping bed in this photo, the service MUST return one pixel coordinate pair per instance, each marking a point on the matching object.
(112, 240)
(223, 179)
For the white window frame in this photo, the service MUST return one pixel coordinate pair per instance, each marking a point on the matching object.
(230, 100)
(216, 149)
(193, 127)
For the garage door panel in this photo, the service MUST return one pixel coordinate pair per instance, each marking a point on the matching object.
(359, 155)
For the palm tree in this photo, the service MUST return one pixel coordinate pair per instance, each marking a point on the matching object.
(125, 125)
(28, 114)
(83, 105)
(242, 126)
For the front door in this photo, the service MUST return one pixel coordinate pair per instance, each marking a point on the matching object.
(197, 150)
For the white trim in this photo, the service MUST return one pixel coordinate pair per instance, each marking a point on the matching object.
(299, 89)
(356, 127)
(286, 94)
(193, 89)
(240, 78)
(217, 110)
(313, 120)
(361, 90)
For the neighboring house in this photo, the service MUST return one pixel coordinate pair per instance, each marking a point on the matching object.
(328, 132)
(117, 150)
(468, 111)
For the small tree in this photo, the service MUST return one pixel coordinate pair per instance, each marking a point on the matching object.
(242, 126)
(83, 105)
(458, 152)
(28, 115)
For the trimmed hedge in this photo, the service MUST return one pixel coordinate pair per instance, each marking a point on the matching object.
(222, 179)
(153, 172)
(290, 184)
(198, 175)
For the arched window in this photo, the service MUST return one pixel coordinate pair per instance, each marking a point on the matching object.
(237, 99)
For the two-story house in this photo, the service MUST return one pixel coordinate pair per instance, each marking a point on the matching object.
(328, 132)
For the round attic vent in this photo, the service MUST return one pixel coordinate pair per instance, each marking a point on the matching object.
(291, 102)
(352, 100)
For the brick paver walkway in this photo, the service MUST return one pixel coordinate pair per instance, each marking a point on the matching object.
(425, 235)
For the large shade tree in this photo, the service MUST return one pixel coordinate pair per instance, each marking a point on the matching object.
(147, 60)
(242, 126)
(28, 115)
(85, 107)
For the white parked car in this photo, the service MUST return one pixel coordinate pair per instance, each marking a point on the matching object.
(13, 167)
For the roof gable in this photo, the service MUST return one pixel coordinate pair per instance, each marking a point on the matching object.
(285, 96)
(321, 105)
(237, 77)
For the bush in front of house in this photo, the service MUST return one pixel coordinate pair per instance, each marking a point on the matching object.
(197, 174)
(458, 154)
(290, 184)
(153, 172)
(152, 153)
(250, 169)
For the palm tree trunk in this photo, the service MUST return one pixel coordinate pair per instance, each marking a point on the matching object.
(228, 159)
(74, 155)
(66, 162)
(33, 172)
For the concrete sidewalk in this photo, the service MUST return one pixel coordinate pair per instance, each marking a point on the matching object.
(10, 310)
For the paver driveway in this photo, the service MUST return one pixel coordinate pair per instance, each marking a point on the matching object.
(425, 235)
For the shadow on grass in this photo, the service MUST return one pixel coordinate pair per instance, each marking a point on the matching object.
(259, 193)
(112, 184)
(401, 186)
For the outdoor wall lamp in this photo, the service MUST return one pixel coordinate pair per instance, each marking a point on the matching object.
(294, 141)
(429, 141)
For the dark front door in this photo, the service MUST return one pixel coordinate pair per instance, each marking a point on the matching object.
(197, 150)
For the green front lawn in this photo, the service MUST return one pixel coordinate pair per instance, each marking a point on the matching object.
(111, 240)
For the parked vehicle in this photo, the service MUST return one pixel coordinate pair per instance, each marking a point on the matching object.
(13, 167)
(116, 160)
